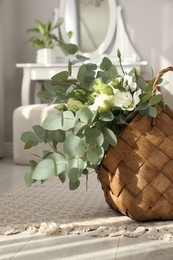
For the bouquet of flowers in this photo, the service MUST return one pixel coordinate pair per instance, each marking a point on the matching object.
(97, 105)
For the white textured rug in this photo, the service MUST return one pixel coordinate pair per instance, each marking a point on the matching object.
(51, 208)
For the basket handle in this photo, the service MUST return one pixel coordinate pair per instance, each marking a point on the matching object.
(161, 73)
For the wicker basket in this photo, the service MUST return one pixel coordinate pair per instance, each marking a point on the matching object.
(137, 174)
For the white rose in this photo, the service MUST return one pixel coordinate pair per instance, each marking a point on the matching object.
(122, 99)
(100, 102)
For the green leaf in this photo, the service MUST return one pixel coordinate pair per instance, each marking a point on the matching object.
(86, 74)
(40, 132)
(53, 121)
(30, 139)
(142, 107)
(54, 90)
(68, 120)
(33, 164)
(155, 99)
(70, 48)
(162, 82)
(62, 176)
(57, 136)
(61, 76)
(95, 155)
(106, 64)
(94, 136)
(74, 186)
(152, 111)
(110, 136)
(149, 86)
(85, 115)
(141, 82)
(145, 96)
(43, 95)
(60, 163)
(28, 178)
(106, 116)
(108, 75)
(75, 168)
(44, 170)
(74, 146)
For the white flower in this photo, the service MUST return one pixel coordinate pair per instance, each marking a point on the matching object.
(122, 99)
(136, 100)
(100, 102)
(129, 83)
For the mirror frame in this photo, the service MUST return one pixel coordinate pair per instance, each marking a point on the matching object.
(109, 35)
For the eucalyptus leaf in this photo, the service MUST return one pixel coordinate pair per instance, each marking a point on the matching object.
(61, 76)
(85, 75)
(152, 111)
(107, 75)
(53, 121)
(149, 86)
(106, 64)
(60, 163)
(44, 170)
(85, 115)
(70, 48)
(106, 116)
(28, 178)
(141, 83)
(94, 136)
(43, 95)
(41, 133)
(54, 90)
(155, 99)
(33, 164)
(68, 120)
(75, 168)
(142, 107)
(30, 139)
(95, 155)
(162, 82)
(110, 136)
(74, 186)
(146, 96)
(74, 146)
(58, 136)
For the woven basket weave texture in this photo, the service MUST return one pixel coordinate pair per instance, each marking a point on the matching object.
(137, 174)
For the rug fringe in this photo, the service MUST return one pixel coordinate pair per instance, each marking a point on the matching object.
(150, 231)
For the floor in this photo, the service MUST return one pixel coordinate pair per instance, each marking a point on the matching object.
(36, 247)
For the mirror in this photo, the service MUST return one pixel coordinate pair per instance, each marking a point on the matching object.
(93, 23)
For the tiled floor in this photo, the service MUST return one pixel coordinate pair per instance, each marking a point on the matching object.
(35, 247)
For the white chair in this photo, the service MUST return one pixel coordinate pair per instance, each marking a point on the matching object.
(24, 117)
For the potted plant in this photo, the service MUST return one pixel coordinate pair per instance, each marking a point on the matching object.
(102, 112)
(46, 40)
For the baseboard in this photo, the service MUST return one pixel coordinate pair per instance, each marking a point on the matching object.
(8, 149)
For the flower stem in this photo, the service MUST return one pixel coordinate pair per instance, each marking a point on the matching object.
(120, 61)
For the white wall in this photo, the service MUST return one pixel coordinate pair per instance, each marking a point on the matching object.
(19, 15)
(1, 90)
(149, 24)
